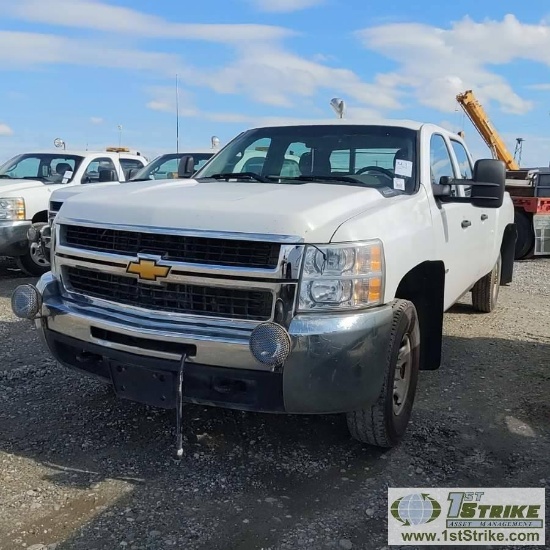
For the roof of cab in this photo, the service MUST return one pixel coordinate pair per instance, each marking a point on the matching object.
(81, 153)
(410, 124)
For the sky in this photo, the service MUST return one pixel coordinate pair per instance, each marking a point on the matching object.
(80, 69)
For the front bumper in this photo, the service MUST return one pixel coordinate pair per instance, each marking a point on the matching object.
(13, 238)
(337, 361)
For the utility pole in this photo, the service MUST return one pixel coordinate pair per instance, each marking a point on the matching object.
(177, 117)
(519, 150)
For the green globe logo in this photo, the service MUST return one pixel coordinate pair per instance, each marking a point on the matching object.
(415, 509)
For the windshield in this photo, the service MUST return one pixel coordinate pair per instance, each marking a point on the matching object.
(165, 167)
(374, 156)
(46, 167)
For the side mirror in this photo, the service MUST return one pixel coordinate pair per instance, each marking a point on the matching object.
(443, 189)
(186, 166)
(489, 183)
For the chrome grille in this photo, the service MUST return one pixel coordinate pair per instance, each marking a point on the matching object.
(172, 297)
(54, 208)
(190, 249)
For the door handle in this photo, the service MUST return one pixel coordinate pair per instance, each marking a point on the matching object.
(484, 217)
(466, 223)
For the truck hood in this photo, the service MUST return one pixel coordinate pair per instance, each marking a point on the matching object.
(311, 211)
(63, 194)
(12, 188)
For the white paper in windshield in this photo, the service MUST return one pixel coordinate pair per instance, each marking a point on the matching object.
(67, 176)
(403, 168)
(399, 184)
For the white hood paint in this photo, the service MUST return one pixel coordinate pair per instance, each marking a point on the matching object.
(310, 211)
(11, 188)
(62, 195)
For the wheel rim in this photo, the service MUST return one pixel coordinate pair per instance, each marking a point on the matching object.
(36, 255)
(402, 377)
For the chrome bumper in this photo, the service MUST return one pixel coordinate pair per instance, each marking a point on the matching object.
(13, 238)
(336, 364)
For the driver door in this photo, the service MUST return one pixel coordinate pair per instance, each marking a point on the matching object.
(460, 245)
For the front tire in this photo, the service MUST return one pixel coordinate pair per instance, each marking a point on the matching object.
(33, 262)
(385, 422)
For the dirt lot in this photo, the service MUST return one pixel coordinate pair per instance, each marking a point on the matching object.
(81, 470)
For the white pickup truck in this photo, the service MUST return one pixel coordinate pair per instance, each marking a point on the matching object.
(164, 167)
(28, 180)
(317, 292)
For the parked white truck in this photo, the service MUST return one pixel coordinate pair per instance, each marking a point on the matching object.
(163, 167)
(28, 180)
(322, 292)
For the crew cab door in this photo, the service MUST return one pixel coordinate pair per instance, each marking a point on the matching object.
(457, 224)
(486, 218)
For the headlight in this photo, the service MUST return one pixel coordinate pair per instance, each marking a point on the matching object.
(12, 209)
(342, 276)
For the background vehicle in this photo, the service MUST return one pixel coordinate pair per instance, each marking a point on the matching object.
(161, 166)
(249, 287)
(529, 188)
(166, 166)
(27, 182)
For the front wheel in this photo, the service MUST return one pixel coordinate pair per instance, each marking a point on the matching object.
(384, 423)
(33, 262)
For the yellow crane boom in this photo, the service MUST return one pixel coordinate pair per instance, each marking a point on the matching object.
(476, 113)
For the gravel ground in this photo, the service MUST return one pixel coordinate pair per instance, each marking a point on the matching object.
(82, 470)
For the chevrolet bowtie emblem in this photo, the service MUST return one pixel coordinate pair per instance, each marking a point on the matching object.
(148, 270)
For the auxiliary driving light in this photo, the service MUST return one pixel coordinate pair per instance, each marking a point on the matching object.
(26, 301)
(270, 344)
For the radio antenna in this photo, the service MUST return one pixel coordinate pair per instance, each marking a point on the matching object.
(177, 117)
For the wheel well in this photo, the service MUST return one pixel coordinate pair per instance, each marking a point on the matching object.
(40, 217)
(424, 286)
(507, 252)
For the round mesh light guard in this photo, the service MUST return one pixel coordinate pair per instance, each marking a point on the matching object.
(270, 344)
(26, 301)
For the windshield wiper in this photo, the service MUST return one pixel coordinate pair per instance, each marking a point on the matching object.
(5, 176)
(240, 175)
(346, 179)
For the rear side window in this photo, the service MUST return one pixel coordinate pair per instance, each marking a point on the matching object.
(128, 164)
(440, 159)
(466, 170)
(464, 164)
(100, 170)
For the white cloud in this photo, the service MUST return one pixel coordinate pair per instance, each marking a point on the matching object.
(280, 76)
(96, 120)
(5, 130)
(164, 99)
(22, 49)
(437, 63)
(539, 87)
(100, 16)
(285, 6)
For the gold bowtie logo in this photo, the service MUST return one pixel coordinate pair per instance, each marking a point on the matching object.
(148, 270)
